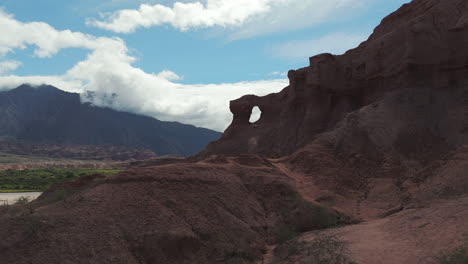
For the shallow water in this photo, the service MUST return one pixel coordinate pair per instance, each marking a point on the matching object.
(13, 197)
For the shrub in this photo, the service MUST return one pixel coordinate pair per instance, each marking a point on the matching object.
(22, 200)
(457, 256)
(239, 254)
(30, 223)
(305, 216)
(284, 233)
(323, 249)
(309, 217)
(328, 250)
(26, 222)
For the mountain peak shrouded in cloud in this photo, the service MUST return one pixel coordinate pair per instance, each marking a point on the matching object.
(45, 114)
(108, 69)
(180, 63)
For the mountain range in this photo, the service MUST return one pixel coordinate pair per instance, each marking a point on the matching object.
(48, 115)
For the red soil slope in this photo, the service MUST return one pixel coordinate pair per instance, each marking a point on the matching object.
(378, 134)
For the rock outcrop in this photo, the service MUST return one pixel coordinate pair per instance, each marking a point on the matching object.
(423, 45)
(378, 135)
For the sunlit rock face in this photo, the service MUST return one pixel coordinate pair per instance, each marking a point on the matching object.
(424, 45)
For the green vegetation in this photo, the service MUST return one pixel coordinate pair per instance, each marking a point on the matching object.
(42, 179)
(22, 200)
(457, 256)
(306, 216)
(238, 257)
(284, 233)
(323, 249)
(25, 223)
(30, 223)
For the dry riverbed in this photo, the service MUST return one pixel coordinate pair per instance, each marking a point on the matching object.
(11, 198)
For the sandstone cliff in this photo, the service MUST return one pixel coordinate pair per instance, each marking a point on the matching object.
(375, 135)
(418, 54)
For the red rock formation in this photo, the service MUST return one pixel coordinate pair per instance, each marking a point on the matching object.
(377, 133)
(207, 212)
(422, 45)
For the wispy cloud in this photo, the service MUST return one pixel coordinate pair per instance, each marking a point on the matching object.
(8, 66)
(170, 75)
(49, 41)
(183, 16)
(278, 74)
(243, 18)
(336, 43)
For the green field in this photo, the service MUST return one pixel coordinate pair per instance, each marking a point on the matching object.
(41, 179)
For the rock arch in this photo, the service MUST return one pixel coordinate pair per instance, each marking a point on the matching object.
(255, 115)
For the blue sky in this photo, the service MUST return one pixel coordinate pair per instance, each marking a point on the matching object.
(179, 61)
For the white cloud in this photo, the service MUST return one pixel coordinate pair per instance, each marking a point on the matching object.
(48, 40)
(204, 105)
(8, 66)
(108, 70)
(246, 18)
(12, 81)
(278, 74)
(169, 75)
(183, 16)
(290, 15)
(336, 43)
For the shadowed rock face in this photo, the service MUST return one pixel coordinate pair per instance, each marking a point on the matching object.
(422, 45)
(377, 134)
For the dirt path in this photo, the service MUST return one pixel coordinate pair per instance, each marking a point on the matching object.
(312, 193)
(304, 185)
(410, 237)
(268, 257)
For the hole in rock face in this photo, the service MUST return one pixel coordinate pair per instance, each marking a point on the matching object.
(256, 114)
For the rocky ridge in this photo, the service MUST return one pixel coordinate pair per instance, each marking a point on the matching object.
(377, 135)
(46, 115)
(79, 152)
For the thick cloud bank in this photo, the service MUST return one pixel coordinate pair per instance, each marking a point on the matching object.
(107, 77)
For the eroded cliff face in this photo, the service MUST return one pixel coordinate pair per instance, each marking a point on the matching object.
(377, 134)
(423, 45)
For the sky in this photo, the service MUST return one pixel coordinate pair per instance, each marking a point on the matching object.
(175, 60)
